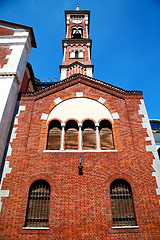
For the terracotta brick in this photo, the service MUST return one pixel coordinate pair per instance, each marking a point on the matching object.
(80, 206)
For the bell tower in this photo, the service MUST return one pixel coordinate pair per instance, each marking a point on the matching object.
(77, 45)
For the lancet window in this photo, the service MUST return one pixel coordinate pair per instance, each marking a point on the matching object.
(122, 203)
(88, 135)
(38, 204)
(54, 135)
(71, 135)
(106, 138)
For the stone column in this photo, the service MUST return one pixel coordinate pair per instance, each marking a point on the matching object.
(97, 136)
(80, 136)
(62, 137)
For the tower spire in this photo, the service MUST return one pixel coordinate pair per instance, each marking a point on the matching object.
(77, 8)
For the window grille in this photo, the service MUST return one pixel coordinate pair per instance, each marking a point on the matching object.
(38, 204)
(122, 203)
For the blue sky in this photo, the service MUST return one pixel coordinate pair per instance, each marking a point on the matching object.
(125, 35)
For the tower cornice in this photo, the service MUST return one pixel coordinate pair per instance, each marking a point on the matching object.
(77, 14)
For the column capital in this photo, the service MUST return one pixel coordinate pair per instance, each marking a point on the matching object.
(79, 124)
(97, 124)
(63, 124)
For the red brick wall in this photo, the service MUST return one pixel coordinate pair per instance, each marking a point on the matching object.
(6, 31)
(24, 84)
(4, 51)
(80, 206)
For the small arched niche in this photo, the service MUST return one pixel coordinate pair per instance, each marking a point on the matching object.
(71, 135)
(106, 137)
(88, 135)
(54, 135)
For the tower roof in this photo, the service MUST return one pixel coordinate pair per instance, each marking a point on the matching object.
(77, 8)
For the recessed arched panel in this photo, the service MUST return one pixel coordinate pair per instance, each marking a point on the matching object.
(88, 135)
(71, 135)
(106, 138)
(80, 109)
(54, 135)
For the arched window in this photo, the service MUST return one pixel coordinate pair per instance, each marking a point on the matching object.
(122, 203)
(54, 135)
(38, 204)
(71, 135)
(106, 138)
(77, 33)
(88, 135)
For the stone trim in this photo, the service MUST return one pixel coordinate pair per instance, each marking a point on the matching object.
(58, 100)
(7, 169)
(4, 193)
(44, 116)
(101, 100)
(79, 94)
(115, 115)
(96, 150)
(152, 147)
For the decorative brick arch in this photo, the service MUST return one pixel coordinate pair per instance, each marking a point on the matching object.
(44, 127)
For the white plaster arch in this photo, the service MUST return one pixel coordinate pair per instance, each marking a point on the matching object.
(80, 109)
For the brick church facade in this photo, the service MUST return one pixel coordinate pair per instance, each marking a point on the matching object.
(81, 162)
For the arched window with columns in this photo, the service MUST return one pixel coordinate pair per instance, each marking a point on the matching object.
(71, 135)
(106, 138)
(123, 213)
(88, 135)
(54, 135)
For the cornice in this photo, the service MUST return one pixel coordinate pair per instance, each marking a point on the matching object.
(88, 81)
(18, 27)
(77, 63)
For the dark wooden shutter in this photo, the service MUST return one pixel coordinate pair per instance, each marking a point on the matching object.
(89, 138)
(122, 204)
(54, 136)
(38, 204)
(106, 138)
(71, 138)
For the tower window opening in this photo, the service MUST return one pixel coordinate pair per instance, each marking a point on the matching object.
(76, 54)
(71, 135)
(106, 138)
(77, 33)
(88, 135)
(122, 203)
(38, 204)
